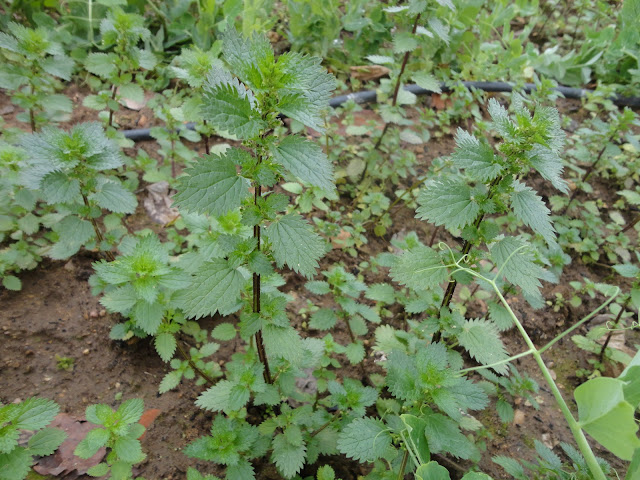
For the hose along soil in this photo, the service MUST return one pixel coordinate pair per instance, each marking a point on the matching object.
(369, 96)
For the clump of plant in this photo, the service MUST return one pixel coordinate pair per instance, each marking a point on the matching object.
(31, 415)
(34, 60)
(74, 172)
(119, 69)
(118, 431)
(240, 276)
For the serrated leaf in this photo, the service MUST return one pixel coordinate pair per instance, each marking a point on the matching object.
(420, 268)
(224, 332)
(148, 316)
(95, 439)
(295, 244)
(59, 66)
(131, 410)
(549, 165)
(46, 441)
(476, 157)
(380, 59)
(530, 208)
(213, 186)
(225, 396)
(444, 435)
(325, 473)
(170, 381)
(215, 287)
(505, 411)
(516, 261)
(306, 160)
(447, 202)
(128, 449)
(441, 30)
(381, 292)
(404, 42)
(283, 342)
(15, 465)
(432, 471)
(323, 319)
(355, 353)
(482, 340)
(288, 458)
(364, 440)
(99, 470)
(11, 282)
(101, 64)
(415, 438)
(165, 345)
(115, 198)
(427, 81)
(35, 413)
(230, 107)
(57, 187)
(73, 232)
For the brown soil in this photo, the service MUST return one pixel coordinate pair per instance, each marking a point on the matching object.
(56, 314)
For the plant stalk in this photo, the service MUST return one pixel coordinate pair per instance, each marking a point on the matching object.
(615, 324)
(403, 465)
(577, 432)
(262, 354)
(193, 365)
(96, 229)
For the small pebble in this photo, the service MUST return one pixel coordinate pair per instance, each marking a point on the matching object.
(93, 314)
(85, 351)
(518, 417)
(17, 400)
(118, 385)
(102, 313)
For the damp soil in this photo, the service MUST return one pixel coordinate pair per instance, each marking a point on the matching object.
(55, 315)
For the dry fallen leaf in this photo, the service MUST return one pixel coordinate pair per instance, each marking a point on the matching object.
(440, 103)
(158, 203)
(365, 73)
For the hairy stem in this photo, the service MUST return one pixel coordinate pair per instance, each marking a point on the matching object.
(262, 354)
(97, 231)
(335, 416)
(32, 113)
(403, 465)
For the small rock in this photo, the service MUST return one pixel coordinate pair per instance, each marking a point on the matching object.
(546, 439)
(85, 316)
(17, 400)
(93, 314)
(518, 417)
(118, 385)
(28, 353)
(69, 266)
(47, 379)
(553, 375)
(102, 313)
(85, 351)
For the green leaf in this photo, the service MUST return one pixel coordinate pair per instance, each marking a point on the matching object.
(128, 450)
(73, 232)
(101, 64)
(57, 187)
(447, 202)
(132, 92)
(404, 42)
(364, 440)
(444, 435)
(295, 243)
(627, 270)
(15, 465)
(476, 157)
(213, 186)
(415, 438)
(94, 441)
(11, 282)
(305, 160)
(427, 81)
(114, 197)
(59, 66)
(99, 413)
(325, 473)
(215, 287)
(381, 292)
(355, 353)
(432, 471)
(289, 458)
(230, 107)
(46, 441)
(283, 342)
(131, 410)
(605, 415)
(99, 470)
(35, 413)
(420, 268)
(170, 381)
(511, 466)
(120, 300)
(530, 208)
(148, 316)
(634, 467)
(516, 261)
(439, 29)
(165, 345)
(482, 340)
(224, 332)
(225, 396)
(323, 319)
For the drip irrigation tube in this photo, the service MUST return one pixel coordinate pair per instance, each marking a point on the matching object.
(369, 96)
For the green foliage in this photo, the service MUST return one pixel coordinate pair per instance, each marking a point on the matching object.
(120, 435)
(32, 415)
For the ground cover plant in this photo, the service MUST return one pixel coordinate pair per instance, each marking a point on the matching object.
(443, 284)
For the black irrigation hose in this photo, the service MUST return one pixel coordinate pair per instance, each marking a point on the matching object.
(369, 96)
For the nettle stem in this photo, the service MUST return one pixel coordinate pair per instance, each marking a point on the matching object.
(32, 113)
(615, 325)
(403, 465)
(262, 354)
(192, 364)
(96, 229)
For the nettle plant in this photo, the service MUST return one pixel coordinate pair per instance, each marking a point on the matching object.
(73, 171)
(121, 32)
(33, 62)
(240, 276)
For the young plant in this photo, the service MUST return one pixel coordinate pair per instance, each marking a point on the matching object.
(71, 171)
(32, 415)
(121, 32)
(120, 434)
(34, 61)
(248, 106)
